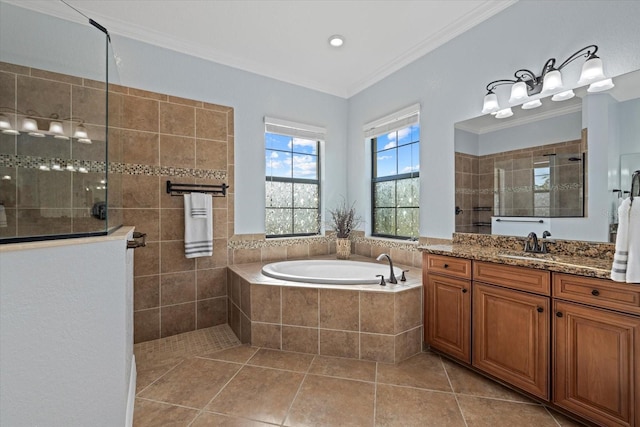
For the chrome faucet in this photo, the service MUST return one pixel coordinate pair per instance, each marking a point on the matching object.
(392, 276)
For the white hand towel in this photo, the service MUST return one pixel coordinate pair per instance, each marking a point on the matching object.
(3, 216)
(198, 208)
(633, 233)
(198, 230)
(621, 256)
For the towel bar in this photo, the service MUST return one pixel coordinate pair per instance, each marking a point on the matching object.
(217, 190)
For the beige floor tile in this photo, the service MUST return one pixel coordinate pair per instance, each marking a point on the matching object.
(267, 358)
(259, 394)
(325, 401)
(152, 414)
(208, 419)
(239, 354)
(423, 370)
(481, 412)
(465, 381)
(344, 368)
(193, 383)
(150, 370)
(563, 420)
(404, 407)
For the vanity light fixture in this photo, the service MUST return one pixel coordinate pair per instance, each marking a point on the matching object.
(336, 40)
(30, 125)
(5, 125)
(528, 88)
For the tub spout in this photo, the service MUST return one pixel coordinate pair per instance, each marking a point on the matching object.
(392, 276)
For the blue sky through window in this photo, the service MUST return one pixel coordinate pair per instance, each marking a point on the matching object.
(291, 157)
(398, 152)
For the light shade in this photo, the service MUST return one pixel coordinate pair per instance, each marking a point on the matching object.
(600, 86)
(80, 132)
(503, 114)
(490, 103)
(531, 104)
(57, 130)
(552, 82)
(563, 96)
(29, 125)
(336, 40)
(5, 126)
(592, 71)
(518, 93)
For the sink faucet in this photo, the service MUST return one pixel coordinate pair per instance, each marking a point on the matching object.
(392, 276)
(544, 249)
(528, 246)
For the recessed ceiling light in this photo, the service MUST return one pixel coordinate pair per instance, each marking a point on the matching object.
(336, 40)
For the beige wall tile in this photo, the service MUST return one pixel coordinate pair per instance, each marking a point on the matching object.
(146, 260)
(245, 296)
(408, 344)
(176, 119)
(146, 94)
(339, 309)
(146, 292)
(211, 283)
(266, 335)
(234, 318)
(43, 96)
(146, 325)
(177, 319)
(139, 147)
(378, 348)
(211, 154)
(401, 256)
(299, 306)
(245, 256)
(177, 151)
(408, 309)
(218, 259)
(172, 257)
(234, 288)
(299, 339)
(89, 105)
(177, 288)
(376, 313)
(316, 249)
(140, 191)
(211, 124)
(184, 101)
(211, 312)
(220, 227)
(274, 253)
(265, 303)
(339, 343)
(363, 249)
(172, 224)
(140, 113)
(245, 329)
(298, 251)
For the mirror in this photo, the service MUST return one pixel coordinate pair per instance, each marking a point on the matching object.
(537, 170)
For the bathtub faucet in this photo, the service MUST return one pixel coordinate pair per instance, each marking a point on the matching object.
(392, 276)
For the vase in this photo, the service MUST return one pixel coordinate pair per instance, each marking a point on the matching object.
(343, 248)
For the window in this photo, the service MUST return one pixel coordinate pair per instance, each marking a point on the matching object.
(292, 159)
(395, 182)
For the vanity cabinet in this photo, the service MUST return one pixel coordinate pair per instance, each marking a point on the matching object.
(447, 305)
(511, 327)
(596, 351)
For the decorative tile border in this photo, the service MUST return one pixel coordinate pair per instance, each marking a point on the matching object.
(34, 162)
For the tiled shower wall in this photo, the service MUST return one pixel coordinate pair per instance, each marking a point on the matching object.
(475, 183)
(185, 141)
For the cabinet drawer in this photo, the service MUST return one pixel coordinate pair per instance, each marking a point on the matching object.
(522, 278)
(456, 267)
(597, 292)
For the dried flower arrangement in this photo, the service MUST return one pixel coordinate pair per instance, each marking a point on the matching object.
(344, 219)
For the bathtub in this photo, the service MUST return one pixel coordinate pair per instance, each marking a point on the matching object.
(334, 272)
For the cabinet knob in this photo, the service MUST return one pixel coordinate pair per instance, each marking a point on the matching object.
(540, 309)
(559, 313)
(595, 292)
(446, 266)
(464, 290)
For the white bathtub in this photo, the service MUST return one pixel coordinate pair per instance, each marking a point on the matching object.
(335, 272)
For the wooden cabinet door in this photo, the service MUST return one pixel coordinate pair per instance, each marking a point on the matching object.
(597, 364)
(511, 337)
(448, 315)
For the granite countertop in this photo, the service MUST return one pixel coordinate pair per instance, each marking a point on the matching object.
(583, 265)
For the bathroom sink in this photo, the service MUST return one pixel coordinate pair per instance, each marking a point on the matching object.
(530, 257)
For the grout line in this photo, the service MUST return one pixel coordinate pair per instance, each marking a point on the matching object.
(160, 377)
(167, 403)
(375, 394)
(551, 415)
(298, 391)
(455, 396)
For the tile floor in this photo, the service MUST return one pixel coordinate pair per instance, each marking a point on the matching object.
(206, 378)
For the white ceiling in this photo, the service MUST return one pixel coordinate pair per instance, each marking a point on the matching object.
(287, 39)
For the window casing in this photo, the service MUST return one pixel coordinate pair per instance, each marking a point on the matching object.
(395, 183)
(292, 187)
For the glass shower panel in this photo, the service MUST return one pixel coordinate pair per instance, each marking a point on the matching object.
(53, 152)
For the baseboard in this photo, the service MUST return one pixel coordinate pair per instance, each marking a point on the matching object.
(131, 397)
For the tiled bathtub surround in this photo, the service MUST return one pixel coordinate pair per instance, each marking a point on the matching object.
(379, 324)
(251, 248)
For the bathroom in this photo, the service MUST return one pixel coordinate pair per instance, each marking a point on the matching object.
(155, 115)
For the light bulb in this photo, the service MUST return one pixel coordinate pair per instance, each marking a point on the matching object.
(600, 86)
